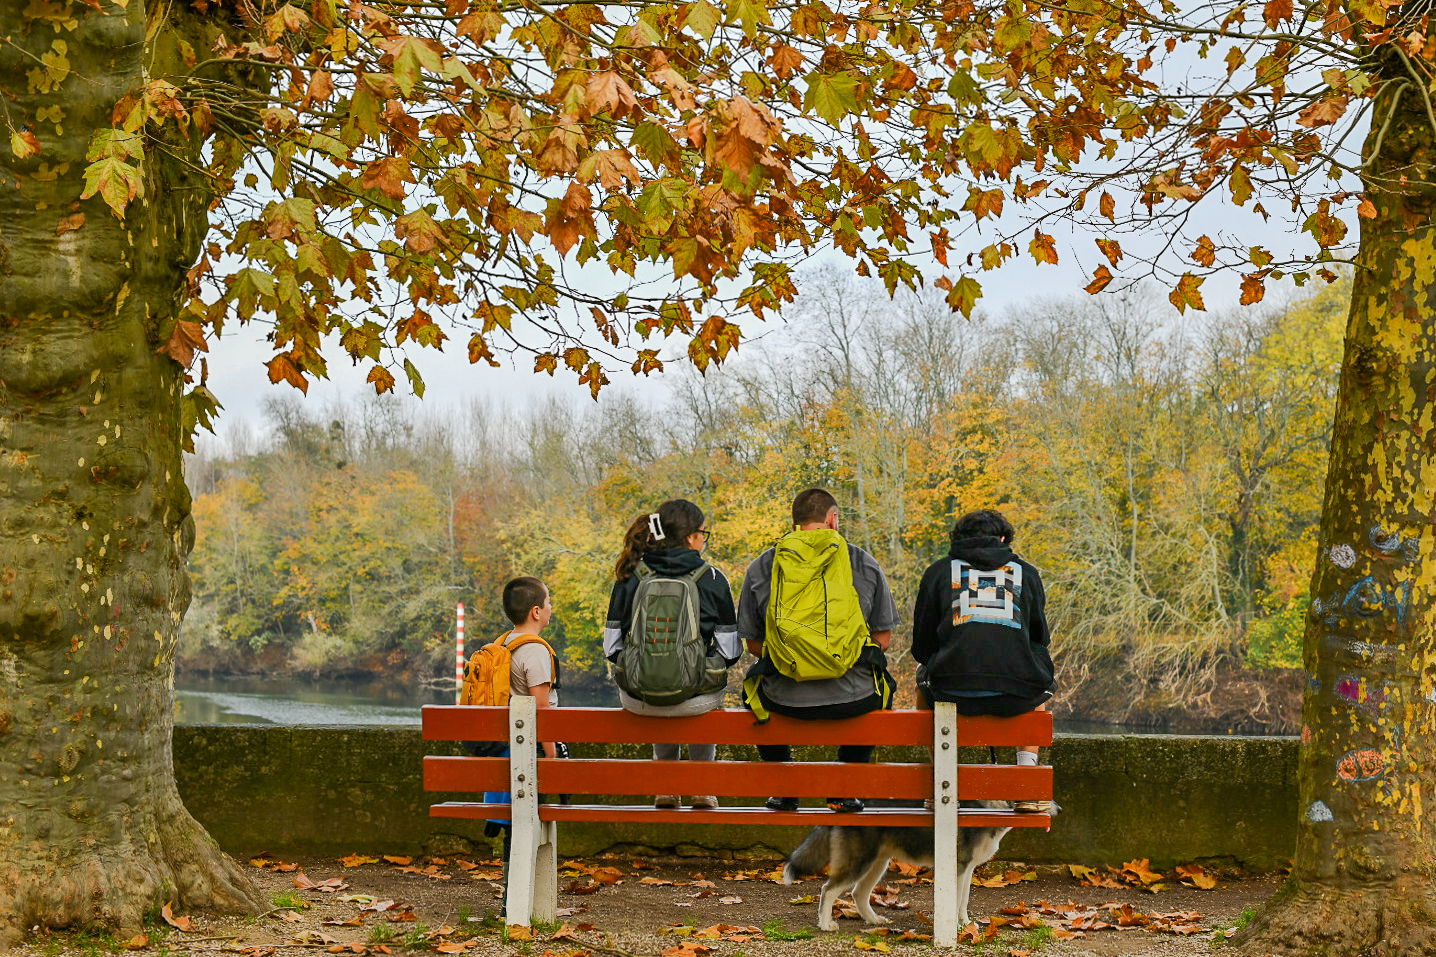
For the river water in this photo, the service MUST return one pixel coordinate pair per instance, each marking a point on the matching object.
(233, 700)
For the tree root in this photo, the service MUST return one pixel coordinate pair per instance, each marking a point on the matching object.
(116, 888)
(1311, 921)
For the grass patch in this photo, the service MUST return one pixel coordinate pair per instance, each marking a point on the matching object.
(777, 930)
(290, 901)
(1222, 936)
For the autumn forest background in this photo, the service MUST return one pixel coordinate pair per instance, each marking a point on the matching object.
(1166, 479)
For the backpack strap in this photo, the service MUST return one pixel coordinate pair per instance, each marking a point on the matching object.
(518, 641)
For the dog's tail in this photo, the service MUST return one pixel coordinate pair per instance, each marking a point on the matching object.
(809, 857)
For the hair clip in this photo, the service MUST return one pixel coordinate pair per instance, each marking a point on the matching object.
(655, 527)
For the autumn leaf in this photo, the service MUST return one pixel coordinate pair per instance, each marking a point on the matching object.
(1277, 11)
(785, 60)
(24, 144)
(1110, 248)
(518, 932)
(179, 923)
(1187, 293)
(185, 340)
(1206, 252)
(1140, 870)
(117, 183)
(1101, 277)
(138, 942)
(1043, 248)
(399, 861)
(1323, 112)
(832, 95)
(1196, 876)
(867, 943)
(608, 92)
(571, 218)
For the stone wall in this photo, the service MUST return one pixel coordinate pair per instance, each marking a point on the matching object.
(301, 790)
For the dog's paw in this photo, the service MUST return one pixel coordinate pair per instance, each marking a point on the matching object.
(827, 925)
(879, 919)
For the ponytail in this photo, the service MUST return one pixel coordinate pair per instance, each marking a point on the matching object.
(669, 527)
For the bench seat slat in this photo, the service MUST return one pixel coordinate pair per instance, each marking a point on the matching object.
(647, 814)
(738, 778)
(733, 726)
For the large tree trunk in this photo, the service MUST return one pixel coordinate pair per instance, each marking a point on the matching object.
(1364, 880)
(94, 512)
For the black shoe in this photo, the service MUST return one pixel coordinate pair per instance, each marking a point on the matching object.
(845, 805)
(781, 804)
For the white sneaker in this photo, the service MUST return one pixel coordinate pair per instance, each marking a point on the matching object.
(666, 801)
(704, 802)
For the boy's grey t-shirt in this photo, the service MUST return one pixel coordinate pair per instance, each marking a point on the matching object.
(879, 610)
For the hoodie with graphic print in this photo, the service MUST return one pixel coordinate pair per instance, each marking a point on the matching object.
(980, 625)
(717, 620)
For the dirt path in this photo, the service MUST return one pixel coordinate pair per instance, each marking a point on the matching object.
(688, 907)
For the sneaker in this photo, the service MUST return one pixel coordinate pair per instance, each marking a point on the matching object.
(1034, 807)
(667, 801)
(704, 802)
(845, 805)
(781, 804)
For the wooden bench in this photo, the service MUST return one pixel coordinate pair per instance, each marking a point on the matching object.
(533, 875)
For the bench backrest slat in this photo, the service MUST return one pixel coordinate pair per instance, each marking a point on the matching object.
(614, 725)
(737, 778)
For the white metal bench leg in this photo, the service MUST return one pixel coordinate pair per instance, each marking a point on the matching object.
(523, 861)
(944, 824)
(546, 874)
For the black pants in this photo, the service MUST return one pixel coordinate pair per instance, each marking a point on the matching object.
(847, 753)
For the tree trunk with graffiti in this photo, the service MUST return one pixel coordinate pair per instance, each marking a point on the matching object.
(1364, 880)
(93, 504)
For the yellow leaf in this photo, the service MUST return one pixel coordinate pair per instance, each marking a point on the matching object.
(1187, 293)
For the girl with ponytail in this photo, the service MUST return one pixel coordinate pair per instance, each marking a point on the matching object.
(665, 548)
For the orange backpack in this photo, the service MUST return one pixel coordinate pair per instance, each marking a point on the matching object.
(488, 673)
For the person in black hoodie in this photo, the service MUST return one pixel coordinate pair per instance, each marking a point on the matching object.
(669, 542)
(979, 630)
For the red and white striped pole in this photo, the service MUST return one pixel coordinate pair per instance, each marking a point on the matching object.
(459, 658)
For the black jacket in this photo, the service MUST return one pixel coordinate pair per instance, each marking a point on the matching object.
(986, 631)
(716, 618)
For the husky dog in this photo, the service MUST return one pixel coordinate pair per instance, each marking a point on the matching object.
(857, 858)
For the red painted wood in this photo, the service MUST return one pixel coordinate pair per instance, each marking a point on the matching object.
(746, 816)
(584, 725)
(739, 778)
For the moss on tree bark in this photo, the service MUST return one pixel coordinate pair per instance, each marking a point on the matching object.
(1364, 880)
(94, 511)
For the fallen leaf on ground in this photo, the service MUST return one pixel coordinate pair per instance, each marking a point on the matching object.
(1140, 871)
(1195, 875)
(730, 899)
(138, 942)
(687, 949)
(179, 923)
(574, 887)
(354, 860)
(805, 899)
(290, 917)
(607, 875)
(456, 946)
(865, 943)
(1005, 879)
(401, 861)
(378, 906)
(642, 866)
(655, 882)
(520, 932)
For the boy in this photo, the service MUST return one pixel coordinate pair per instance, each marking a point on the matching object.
(980, 629)
(533, 670)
